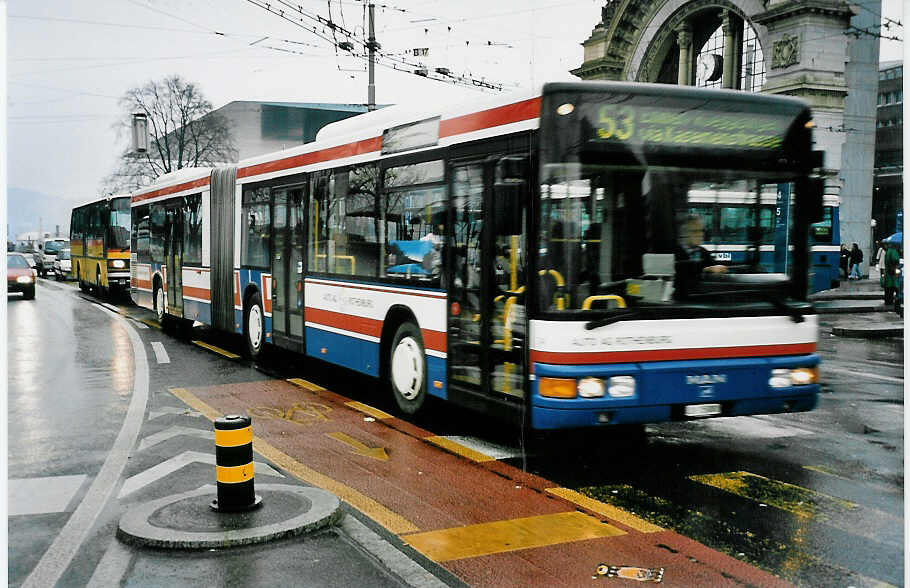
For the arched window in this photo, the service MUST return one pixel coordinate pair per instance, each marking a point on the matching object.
(709, 61)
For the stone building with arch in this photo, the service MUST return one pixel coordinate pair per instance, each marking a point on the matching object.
(822, 51)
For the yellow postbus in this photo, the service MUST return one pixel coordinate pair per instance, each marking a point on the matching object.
(100, 244)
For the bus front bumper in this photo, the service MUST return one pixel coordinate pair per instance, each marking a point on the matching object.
(675, 391)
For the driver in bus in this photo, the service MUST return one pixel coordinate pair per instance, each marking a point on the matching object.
(692, 259)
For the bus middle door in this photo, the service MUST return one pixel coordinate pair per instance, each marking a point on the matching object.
(173, 259)
(288, 240)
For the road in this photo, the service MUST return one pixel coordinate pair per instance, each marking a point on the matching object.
(814, 498)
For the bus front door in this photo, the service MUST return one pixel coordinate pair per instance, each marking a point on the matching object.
(288, 239)
(173, 259)
(486, 306)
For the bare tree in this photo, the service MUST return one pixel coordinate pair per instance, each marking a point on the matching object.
(184, 133)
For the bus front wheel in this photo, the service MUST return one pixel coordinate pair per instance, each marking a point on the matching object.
(253, 326)
(407, 368)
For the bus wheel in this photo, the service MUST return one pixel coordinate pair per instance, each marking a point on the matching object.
(407, 368)
(253, 326)
(159, 304)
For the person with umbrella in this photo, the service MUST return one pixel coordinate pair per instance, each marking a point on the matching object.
(889, 271)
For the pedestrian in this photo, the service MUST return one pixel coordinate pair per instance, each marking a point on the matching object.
(889, 273)
(845, 260)
(856, 260)
(880, 254)
(873, 257)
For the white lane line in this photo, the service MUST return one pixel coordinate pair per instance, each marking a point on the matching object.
(753, 428)
(110, 306)
(162, 436)
(173, 410)
(43, 495)
(827, 368)
(493, 450)
(138, 324)
(160, 352)
(62, 551)
(165, 468)
(112, 567)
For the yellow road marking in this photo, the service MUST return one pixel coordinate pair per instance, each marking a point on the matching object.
(361, 448)
(795, 499)
(306, 385)
(217, 350)
(510, 535)
(460, 449)
(150, 323)
(390, 520)
(373, 412)
(607, 510)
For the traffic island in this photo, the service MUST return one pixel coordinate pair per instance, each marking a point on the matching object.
(186, 521)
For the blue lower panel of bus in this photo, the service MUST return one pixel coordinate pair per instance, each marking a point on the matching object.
(363, 356)
(663, 390)
(197, 311)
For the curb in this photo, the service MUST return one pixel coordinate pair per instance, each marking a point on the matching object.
(185, 521)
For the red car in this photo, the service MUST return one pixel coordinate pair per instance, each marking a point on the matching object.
(19, 276)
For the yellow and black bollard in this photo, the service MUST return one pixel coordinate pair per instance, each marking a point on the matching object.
(234, 464)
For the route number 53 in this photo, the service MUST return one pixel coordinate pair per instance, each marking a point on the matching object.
(615, 122)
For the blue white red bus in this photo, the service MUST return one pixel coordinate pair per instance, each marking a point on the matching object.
(728, 220)
(519, 256)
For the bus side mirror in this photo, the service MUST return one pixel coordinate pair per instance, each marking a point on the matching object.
(813, 190)
(510, 194)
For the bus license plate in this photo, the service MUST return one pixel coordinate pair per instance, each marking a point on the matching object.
(702, 410)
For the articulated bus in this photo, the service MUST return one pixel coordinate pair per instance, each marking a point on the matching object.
(100, 244)
(727, 220)
(521, 257)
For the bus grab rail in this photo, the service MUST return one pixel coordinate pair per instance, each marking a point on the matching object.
(620, 301)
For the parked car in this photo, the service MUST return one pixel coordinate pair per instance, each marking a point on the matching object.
(63, 265)
(20, 277)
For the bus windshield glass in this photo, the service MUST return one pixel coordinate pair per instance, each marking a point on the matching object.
(666, 201)
(119, 237)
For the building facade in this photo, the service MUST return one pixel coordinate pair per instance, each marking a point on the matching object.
(888, 183)
(816, 50)
(264, 127)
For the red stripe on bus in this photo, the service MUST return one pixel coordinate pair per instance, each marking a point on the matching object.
(494, 117)
(390, 290)
(144, 284)
(172, 189)
(670, 354)
(347, 322)
(433, 340)
(201, 293)
(339, 152)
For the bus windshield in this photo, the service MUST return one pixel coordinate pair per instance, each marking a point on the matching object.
(119, 237)
(660, 236)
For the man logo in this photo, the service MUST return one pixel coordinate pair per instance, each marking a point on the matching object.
(707, 379)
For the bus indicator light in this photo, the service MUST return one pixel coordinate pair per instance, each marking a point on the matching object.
(558, 388)
(456, 309)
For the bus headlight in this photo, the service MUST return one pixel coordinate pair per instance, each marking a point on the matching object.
(118, 263)
(621, 386)
(786, 377)
(591, 388)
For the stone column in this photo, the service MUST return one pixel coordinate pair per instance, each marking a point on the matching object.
(729, 79)
(684, 40)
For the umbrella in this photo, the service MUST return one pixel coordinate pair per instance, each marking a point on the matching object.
(896, 238)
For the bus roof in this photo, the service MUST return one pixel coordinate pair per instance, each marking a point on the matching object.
(176, 181)
(362, 134)
(101, 199)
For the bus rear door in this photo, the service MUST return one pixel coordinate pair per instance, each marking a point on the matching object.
(173, 259)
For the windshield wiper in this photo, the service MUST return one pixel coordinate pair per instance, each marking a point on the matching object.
(794, 313)
(603, 322)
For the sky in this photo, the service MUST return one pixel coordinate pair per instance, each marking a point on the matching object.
(70, 62)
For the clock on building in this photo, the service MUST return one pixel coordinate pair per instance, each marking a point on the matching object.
(709, 68)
